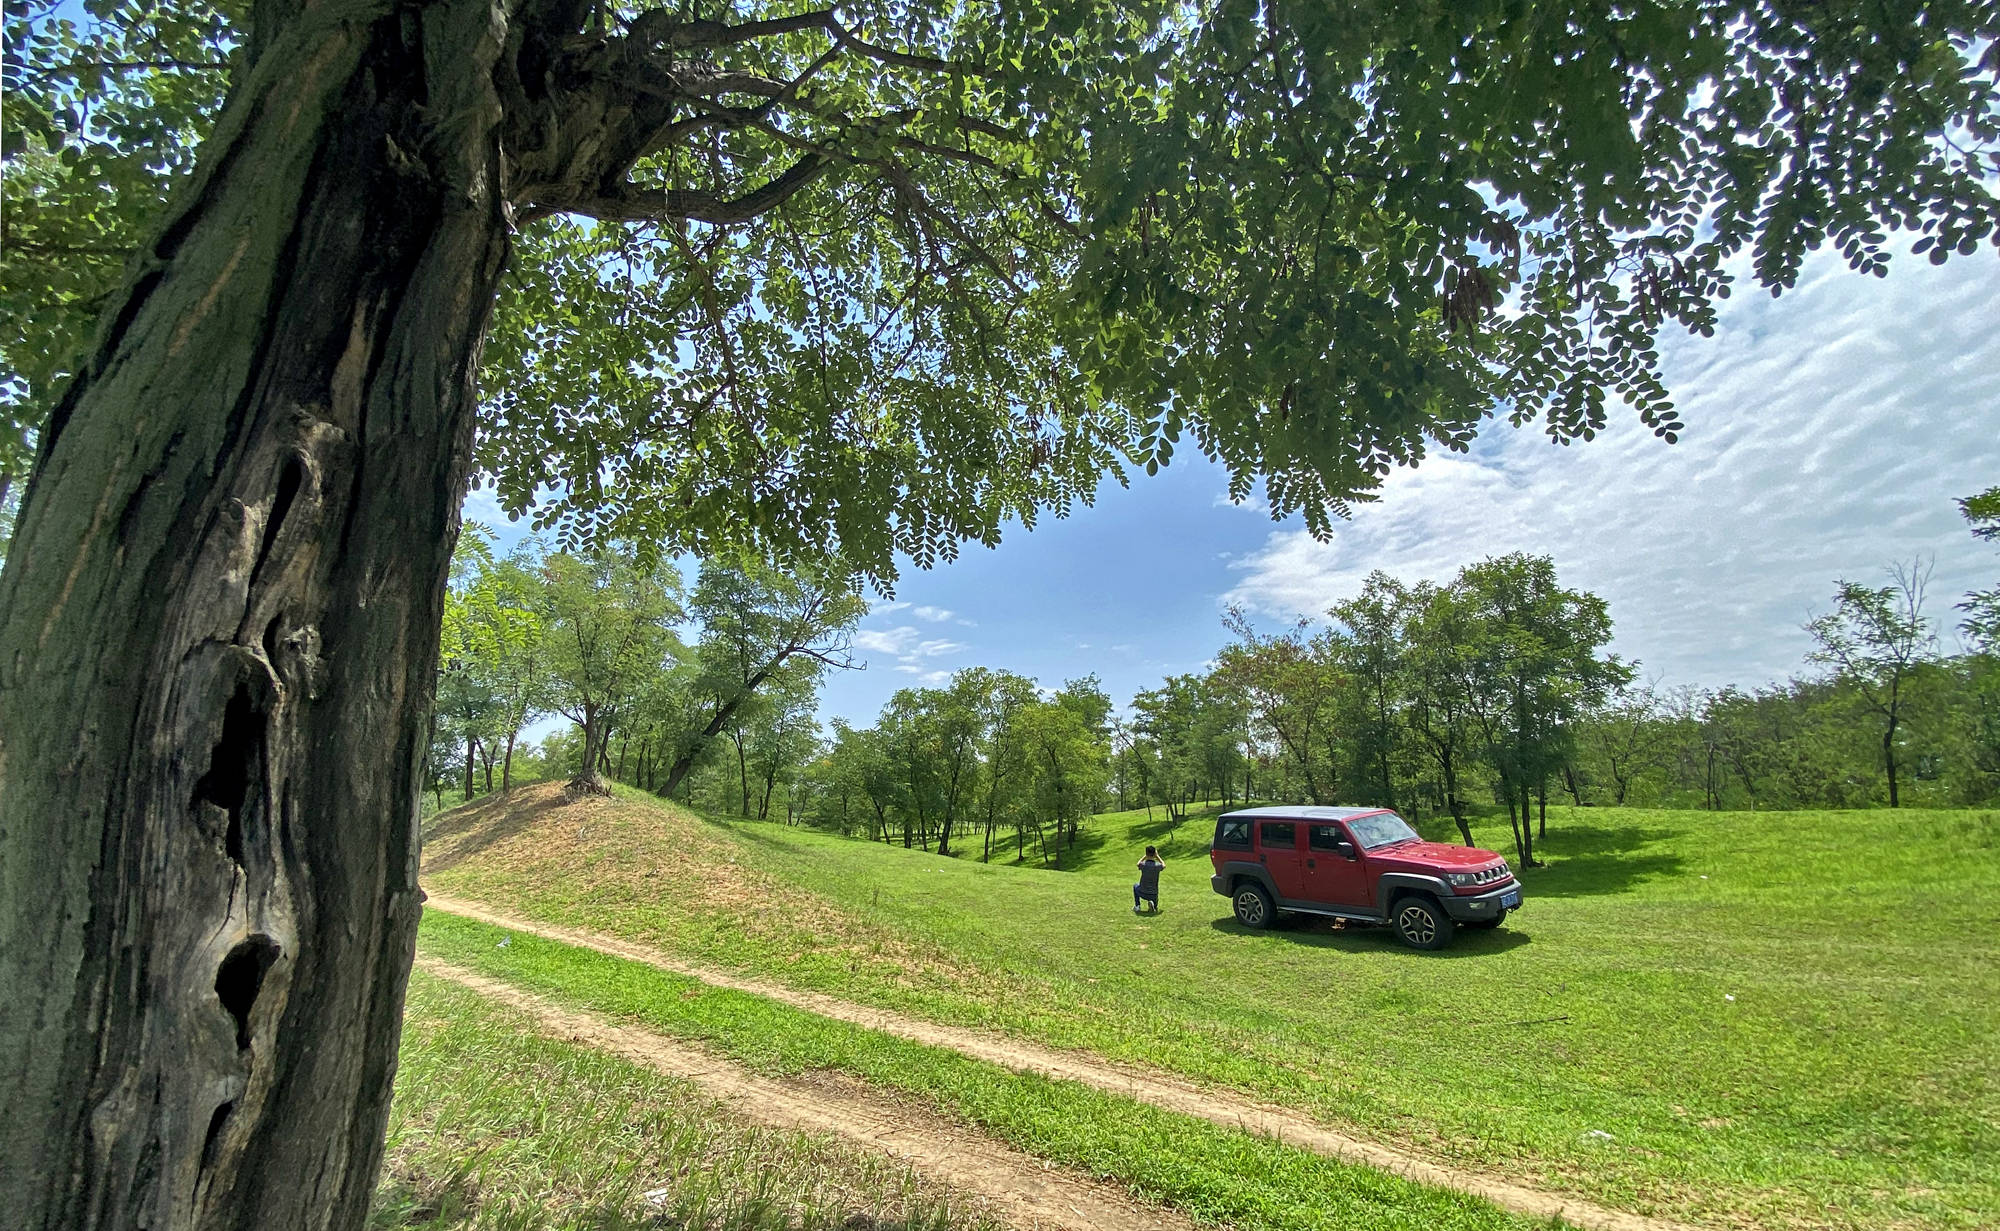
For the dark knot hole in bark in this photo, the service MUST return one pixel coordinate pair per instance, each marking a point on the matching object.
(211, 1145)
(233, 764)
(240, 978)
(290, 480)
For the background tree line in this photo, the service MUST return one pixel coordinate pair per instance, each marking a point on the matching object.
(989, 763)
(1890, 719)
(665, 687)
(1492, 689)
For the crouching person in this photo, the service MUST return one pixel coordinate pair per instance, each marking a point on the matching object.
(1148, 888)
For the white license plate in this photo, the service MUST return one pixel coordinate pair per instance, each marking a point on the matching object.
(1512, 901)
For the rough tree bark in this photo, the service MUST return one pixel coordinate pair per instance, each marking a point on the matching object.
(219, 616)
(218, 632)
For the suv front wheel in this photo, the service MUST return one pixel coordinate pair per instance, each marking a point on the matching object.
(1254, 909)
(1422, 924)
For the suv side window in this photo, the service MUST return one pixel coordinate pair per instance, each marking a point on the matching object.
(1233, 835)
(1324, 838)
(1279, 835)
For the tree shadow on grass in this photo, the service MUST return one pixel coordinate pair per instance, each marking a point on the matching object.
(1590, 860)
(1089, 849)
(1186, 840)
(772, 834)
(1317, 932)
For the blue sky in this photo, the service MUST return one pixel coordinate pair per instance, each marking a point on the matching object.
(1828, 434)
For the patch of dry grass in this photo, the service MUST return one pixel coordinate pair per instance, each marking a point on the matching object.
(644, 869)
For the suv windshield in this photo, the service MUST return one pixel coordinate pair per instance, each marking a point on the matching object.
(1383, 829)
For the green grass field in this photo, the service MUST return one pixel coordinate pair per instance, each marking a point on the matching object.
(1735, 1019)
(495, 1127)
(1214, 1174)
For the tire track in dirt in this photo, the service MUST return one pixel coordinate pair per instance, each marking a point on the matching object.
(1158, 1089)
(1022, 1190)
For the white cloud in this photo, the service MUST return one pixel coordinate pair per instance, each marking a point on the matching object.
(933, 614)
(908, 646)
(886, 608)
(885, 640)
(1828, 433)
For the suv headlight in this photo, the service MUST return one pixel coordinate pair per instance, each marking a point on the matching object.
(1462, 878)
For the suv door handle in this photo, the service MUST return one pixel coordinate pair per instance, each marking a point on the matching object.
(1309, 863)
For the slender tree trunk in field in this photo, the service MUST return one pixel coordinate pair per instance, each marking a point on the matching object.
(1889, 760)
(507, 766)
(1513, 821)
(743, 771)
(471, 746)
(218, 641)
(1450, 766)
(1542, 808)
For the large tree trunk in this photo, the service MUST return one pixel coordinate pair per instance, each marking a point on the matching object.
(218, 635)
(588, 779)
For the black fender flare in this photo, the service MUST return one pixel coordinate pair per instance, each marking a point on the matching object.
(1393, 883)
(1235, 870)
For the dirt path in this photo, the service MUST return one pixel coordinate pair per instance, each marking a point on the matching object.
(1022, 1190)
(1168, 1093)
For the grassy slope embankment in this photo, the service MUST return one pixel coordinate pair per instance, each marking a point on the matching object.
(1850, 1082)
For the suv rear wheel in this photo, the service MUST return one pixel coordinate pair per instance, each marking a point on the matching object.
(1422, 923)
(1254, 909)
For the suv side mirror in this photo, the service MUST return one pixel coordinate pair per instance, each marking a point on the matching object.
(1345, 849)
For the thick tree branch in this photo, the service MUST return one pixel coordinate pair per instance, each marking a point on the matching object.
(634, 204)
(661, 28)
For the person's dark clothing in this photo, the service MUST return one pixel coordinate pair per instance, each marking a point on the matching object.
(1148, 888)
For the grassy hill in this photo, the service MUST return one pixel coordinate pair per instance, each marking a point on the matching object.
(1737, 1019)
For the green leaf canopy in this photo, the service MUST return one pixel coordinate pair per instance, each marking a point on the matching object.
(882, 277)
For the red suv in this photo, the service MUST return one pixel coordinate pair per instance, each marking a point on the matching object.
(1364, 864)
